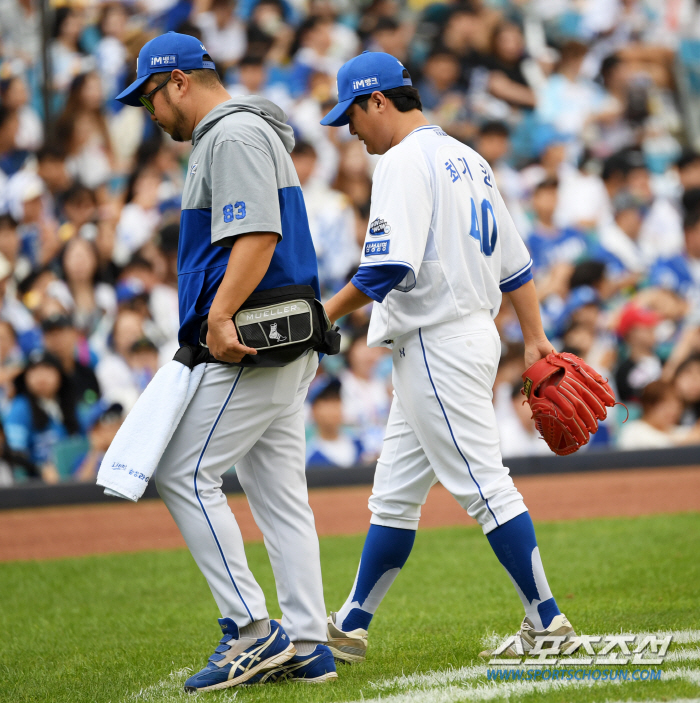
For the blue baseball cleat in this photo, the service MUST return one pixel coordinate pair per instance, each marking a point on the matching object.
(317, 667)
(239, 659)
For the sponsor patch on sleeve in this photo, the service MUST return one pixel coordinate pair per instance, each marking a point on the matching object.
(378, 226)
(377, 248)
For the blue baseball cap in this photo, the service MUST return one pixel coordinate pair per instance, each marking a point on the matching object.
(164, 53)
(370, 71)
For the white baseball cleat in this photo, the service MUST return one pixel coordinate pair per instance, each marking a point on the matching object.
(559, 626)
(349, 647)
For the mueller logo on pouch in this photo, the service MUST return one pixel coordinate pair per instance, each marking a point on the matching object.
(364, 83)
(165, 60)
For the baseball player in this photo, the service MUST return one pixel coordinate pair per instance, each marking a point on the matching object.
(439, 252)
(243, 228)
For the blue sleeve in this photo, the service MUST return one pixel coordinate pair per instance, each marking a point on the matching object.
(377, 281)
(517, 279)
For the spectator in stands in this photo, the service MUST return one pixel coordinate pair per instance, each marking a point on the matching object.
(549, 245)
(620, 239)
(51, 168)
(14, 312)
(223, 33)
(11, 158)
(82, 128)
(67, 58)
(365, 398)
(111, 53)
(251, 78)
(568, 100)
(95, 303)
(78, 211)
(640, 366)
(42, 414)
(63, 341)
(519, 436)
(140, 216)
(14, 94)
(330, 445)
(113, 371)
(508, 65)
(439, 87)
(659, 425)
(14, 465)
(103, 425)
(687, 385)
(331, 221)
(11, 363)
(10, 245)
(144, 362)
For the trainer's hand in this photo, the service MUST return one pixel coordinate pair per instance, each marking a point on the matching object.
(536, 350)
(222, 340)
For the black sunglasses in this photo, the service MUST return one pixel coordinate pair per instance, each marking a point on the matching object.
(147, 99)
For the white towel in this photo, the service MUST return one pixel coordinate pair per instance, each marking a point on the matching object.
(138, 446)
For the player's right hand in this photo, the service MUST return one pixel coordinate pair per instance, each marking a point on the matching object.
(223, 343)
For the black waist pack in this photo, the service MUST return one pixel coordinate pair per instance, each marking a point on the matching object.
(281, 324)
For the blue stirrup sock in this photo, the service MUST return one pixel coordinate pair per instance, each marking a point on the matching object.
(516, 547)
(384, 554)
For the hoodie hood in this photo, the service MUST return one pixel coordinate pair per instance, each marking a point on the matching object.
(271, 113)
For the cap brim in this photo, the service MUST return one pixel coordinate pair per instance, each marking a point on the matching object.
(131, 95)
(337, 117)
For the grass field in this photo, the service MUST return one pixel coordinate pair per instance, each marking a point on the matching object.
(128, 627)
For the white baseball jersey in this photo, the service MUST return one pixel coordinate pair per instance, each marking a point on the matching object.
(436, 211)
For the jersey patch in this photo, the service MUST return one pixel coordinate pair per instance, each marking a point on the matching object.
(377, 248)
(379, 227)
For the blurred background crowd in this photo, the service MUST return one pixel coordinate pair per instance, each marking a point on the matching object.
(587, 110)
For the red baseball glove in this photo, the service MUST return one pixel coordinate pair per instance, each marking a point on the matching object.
(567, 398)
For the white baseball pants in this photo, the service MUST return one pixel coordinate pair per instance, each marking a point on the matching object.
(252, 418)
(442, 427)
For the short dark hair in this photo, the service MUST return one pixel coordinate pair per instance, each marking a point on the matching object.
(251, 60)
(587, 273)
(547, 184)
(691, 219)
(494, 128)
(5, 114)
(405, 98)
(303, 148)
(7, 222)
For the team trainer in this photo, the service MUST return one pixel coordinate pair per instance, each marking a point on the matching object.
(243, 229)
(439, 252)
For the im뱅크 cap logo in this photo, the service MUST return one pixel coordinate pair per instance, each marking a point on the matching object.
(365, 83)
(165, 60)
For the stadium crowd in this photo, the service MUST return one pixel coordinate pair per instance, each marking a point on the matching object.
(581, 107)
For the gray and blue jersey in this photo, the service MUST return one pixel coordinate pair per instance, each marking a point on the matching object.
(240, 179)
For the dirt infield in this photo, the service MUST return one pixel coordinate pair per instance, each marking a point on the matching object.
(47, 533)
